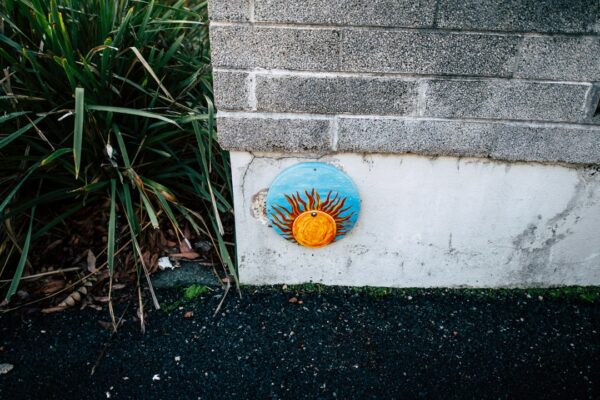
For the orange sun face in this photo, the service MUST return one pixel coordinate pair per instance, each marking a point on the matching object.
(310, 221)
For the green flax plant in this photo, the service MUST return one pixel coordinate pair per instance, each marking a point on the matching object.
(107, 102)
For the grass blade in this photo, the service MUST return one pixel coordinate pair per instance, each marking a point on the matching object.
(21, 265)
(54, 155)
(12, 193)
(16, 134)
(122, 147)
(132, 111)
(10, 116)
(151, 71)
(110, 251)
(206, 171)
(78, 132)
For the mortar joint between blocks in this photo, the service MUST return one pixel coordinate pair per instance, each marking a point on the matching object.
(251, 17)
(335, 123)
(252, 102)
(421, 99)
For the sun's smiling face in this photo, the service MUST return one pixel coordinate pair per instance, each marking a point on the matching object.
(310, 220)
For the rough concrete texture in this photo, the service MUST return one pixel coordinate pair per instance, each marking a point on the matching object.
(579, 146)
(325, 95)
(548, 16)
(474, 54)
(429, 222)
(502, 99)
(232, 90)
(573, 144)
(229, 10)
(420, 52)
(562, 58)
(406, 13)
(407, 51)
(390, 135)
(274, 134)
(568, 16)
(243, 46)
(503, 141)
(189, 273)
(513, 81)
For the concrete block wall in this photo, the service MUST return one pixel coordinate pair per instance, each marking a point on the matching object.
(471, 129)
(510, 80)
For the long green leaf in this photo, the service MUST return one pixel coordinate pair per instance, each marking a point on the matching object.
(110, 251)
(16, 134)
(206, 170)
(12, 193)
(54, 155)
(13, 115)
(21, 265)
(131, 111)
(129, 211)
(78, 132)
(149, 210)
(122, 147)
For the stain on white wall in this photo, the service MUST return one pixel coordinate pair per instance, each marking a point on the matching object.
(433, 222)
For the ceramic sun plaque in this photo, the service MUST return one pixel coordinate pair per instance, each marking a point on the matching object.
(312, 204)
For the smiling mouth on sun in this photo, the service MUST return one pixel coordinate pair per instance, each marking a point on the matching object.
(310, 221)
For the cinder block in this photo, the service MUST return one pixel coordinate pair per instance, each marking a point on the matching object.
(322, 95)
(389, 135)
(232, 90)
(576, 146)
(554, 16)
(505, 99)
(416, 52)
(229, 10)
(398, 13)
(505, 141)
(288, 48)
(593, 105)
(274, 134)
(428, 52)
(563, 58)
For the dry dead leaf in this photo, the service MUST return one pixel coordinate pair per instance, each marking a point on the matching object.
(53, 245)
(91, 262)
(188, 314)
(293, 300)
(190, 255)
(184, 246)
(50, 310)
(52, 286)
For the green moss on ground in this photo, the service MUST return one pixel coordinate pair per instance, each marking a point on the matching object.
(588, 294)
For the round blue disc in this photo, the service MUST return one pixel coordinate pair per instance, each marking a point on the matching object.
(312, 204)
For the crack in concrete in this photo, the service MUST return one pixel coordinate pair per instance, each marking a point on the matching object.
(243, 183)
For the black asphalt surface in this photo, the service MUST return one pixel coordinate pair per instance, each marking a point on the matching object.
(322, 345)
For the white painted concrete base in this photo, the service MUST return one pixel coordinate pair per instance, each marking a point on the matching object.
(429, 222)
